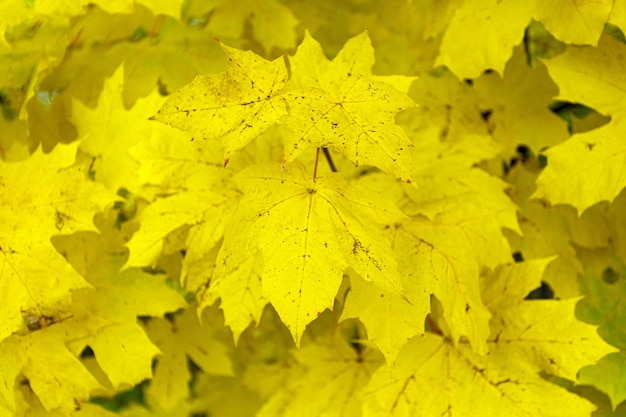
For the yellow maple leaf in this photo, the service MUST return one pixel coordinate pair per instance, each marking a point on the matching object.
(442, 249)
(591, 75)
(236, 106)
(178, 340)
(309, 231)
(106, 320)
(447, 116)
(588, 167)
(155, 57)
(270, 22)
(55, 374)
(403, 318)
(444, 264)
(545, 231)
(509, 284)
(42, 197)
(187, 185)
(238, 286)
(469, 200)
(544, 337)
(518, 100)
(103, 317)
(338, 104)
(496, 26)
(312, 388)
(109, 130)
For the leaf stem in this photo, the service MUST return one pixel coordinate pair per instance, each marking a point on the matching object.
(317, 158)
(331, 164)
(432, 326)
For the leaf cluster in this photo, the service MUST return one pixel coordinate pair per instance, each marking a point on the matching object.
(353, 208)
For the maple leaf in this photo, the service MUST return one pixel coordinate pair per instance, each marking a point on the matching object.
(309, 231)
(441, 250)
(605, 375)
(188, 186)
(403, 318)
(106, 321)
(498, 26)
(238, 286)
(109, 130)
(150, 47)
(444, 264)
(518, 101)
(603, 306)
(545, 231)
(337, 104)
(587, 168)
(472, 201)
(171, 374)
(105, 317)
(448, 115)
(236, 106)
(43, 196)
(490, 35)
(421, 385)
(315, 389)
(527, 338)
(28, 118)
(54, 373)
(270, 23)
(153, 58)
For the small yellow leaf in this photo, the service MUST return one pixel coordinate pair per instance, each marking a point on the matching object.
(238, 286)
(109, 130)
(236, 106)
(482, 34)
(337, 104)
(178, 340)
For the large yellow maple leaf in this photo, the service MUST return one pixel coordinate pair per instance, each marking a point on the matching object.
(309, 231)
(341, 105)
(41, 197)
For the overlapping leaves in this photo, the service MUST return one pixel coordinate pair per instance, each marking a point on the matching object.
(303, 239)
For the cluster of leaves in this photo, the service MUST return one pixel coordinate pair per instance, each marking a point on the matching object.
(291, 221)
